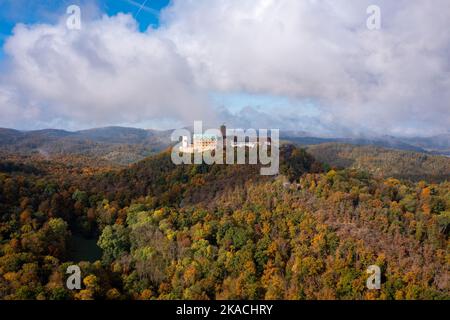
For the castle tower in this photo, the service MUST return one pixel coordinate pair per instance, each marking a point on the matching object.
(223, 130)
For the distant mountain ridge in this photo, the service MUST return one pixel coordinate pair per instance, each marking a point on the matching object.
(439, 145)
(106, 134)
(116, 144)
(124, 145)
(436, 144)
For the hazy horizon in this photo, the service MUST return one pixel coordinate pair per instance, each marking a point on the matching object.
(286, 133)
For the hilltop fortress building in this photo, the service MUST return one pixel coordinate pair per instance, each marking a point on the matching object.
(208, 142)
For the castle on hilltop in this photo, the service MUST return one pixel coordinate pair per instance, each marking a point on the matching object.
(209, 142)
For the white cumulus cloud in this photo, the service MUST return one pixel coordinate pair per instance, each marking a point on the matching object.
(394, 80)
(108, 72)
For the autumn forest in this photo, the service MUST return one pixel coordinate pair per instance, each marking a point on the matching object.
(153, 230)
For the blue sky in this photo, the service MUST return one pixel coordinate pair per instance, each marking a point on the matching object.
(12, 12)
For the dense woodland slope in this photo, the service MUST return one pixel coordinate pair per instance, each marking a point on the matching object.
(220, 232)
(384, 162)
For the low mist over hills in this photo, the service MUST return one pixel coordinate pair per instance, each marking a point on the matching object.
(98, 135)
(121, 145)
(116, 144)
(437, 144)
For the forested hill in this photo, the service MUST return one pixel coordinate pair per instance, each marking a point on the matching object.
(171, 184)
(384, 162)
(221, 232)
